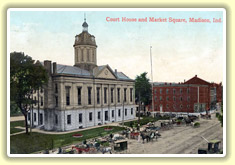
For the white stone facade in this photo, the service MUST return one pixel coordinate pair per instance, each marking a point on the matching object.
(97, 93)
(49, 121)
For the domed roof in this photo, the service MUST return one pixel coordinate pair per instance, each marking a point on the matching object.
(85, 38)
(84, 24)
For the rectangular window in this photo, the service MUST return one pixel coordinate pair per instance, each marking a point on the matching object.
(89, 95)
(56, 119)
(155, 91)
(98, 115)
(67, 90)
(41, 118)
(181, 98)
(160, 91)
(80, 117)
(112, 113)
(155, 98)
(90, 116)
(174, 98)
(131, 94)
(167, 98)
(56, 88)
(56, 101)
(124, 94)
(125, 112)
(188, 98)
(118, 93)
(79, 95)
(181, 91)
(41, 101)
(29, 117)
(167, 90)
(68, 119)
(111, 95)
(98, 95)
(173, 91)
(106, 116)
(35, 117)
(119, 112)
(105, 95)
(131, 111)
(160, 98)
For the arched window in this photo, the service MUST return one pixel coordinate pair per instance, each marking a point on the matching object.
(88, 56)
(82, 53)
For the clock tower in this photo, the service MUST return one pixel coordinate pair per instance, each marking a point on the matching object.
(85, 49)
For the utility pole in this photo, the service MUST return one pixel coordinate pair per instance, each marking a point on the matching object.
(198, 99)
(123, 113)
(38, 108)
(139, 113)
(30, 114)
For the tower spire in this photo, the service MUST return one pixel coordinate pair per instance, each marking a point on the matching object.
(85, 25)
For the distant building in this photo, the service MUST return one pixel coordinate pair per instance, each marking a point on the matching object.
(85, 94)
(192, 96)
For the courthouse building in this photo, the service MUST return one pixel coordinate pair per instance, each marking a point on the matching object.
(82, 95)
(193, 96)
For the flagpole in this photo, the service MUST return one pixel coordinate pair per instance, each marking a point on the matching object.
(151, 76)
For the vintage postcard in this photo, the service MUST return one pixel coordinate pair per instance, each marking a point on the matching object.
(116, 82)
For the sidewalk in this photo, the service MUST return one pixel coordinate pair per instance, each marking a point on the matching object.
(16, 118)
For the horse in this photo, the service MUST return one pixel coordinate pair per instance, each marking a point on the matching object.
(145, 136)
(107, 149)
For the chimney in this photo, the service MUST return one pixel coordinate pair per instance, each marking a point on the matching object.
(115, 71)
(195, 75)
(47, 65)
(54, 68)
(184, 80)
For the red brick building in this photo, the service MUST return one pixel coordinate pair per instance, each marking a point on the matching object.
(194, 95)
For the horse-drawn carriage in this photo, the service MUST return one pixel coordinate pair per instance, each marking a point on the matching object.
(213, 148)
(120, 145)
(205, 116)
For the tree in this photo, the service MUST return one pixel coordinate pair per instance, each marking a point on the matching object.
(220, 115)
(143, 88)
(25, 76)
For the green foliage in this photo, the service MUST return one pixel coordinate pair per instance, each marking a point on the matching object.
(143, 87)
(197, 124)
(178, 121)
(26, 144)
(14, 124)
(25, 76)
(14, 109)
(145, 120)
(220, 115)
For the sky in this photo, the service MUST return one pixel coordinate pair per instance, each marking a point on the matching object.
(179, 50)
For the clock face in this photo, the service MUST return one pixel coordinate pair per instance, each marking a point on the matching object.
(106, 72)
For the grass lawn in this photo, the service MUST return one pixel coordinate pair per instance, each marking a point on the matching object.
(14, 124)
(25, 144)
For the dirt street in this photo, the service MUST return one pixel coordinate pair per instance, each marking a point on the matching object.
(180, 139)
